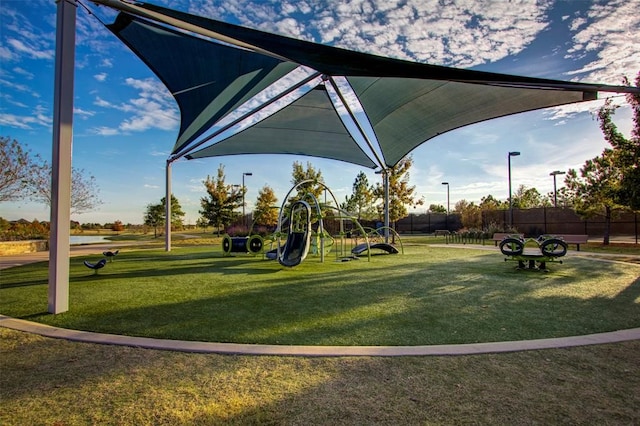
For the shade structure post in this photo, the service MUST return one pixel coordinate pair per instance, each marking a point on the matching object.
(167, 222)
(385, 177)
(511, 154)
(555, 192)
(244, 190)
(59, 250)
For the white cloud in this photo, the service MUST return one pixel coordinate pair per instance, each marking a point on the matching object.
(611, 37)
(24, 73)
(462, 33)
(83, 113)
(100, 77)
(30, 50)
(154, 108)
(105, 131)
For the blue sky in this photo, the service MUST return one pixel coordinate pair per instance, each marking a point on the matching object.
(126, 122)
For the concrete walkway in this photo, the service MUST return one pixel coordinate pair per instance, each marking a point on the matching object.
(285, 350)
(325, 351)
(80, 250)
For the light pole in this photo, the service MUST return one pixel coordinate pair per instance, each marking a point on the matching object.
(447, 183)
(555, 194)
(511, 154)
(243, 191)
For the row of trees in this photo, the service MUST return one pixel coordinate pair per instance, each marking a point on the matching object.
(220, 206)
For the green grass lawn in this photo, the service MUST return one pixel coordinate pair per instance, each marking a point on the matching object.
(56, 382)
(429, 295)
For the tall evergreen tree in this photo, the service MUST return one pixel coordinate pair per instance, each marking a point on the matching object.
(300, 174)
(219, 206)
(266, 212)
(154, 216)
(360, 202)
(177, 214)
(401, 194)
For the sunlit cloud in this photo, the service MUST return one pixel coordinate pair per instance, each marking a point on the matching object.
(104, 131)
(29, 50)
(83, 113)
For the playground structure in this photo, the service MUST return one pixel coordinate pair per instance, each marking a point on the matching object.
(527, 252)
(301, 231)
(253, 244)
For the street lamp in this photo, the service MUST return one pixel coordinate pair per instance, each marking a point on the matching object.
(447, 183)
(243, 191)
(511, 154)
(555, 194)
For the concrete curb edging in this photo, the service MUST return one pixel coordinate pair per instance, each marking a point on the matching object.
(317, 351)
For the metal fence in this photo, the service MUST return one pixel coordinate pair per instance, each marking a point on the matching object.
(531, 222)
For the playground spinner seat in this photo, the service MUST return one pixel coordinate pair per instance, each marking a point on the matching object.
(95, 266)
(110, 254)
(528, 252)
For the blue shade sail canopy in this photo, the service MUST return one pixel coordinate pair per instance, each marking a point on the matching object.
(208, 80)
(309, 126)
(405, 103)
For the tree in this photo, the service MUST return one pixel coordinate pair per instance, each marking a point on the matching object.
(401, 194)
(361, 200)
(155, 216)
(117, 226)
(627, 151)
(265, 213)
(84, 189)
(491, 203)
(610, 182)
(526, 198)
(300, 174)
(437, 208)
(177, 214)
(218, 207)
(470, 214)
(16, 168)
(596, 188)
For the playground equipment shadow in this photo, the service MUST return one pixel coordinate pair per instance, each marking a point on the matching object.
(304, 350)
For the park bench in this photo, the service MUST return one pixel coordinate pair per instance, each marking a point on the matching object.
(499, 236)
(573, 239)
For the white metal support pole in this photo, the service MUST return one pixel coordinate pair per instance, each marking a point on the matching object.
(385, 176)
(167, 222)
(58, 300)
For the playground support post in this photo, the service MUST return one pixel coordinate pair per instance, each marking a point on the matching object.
(511, 154)
(385, 177)
(167, 211)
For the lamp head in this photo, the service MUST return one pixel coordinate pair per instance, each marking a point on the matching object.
(514, 153)
(556, 172)
(248, 174)
(445, 183)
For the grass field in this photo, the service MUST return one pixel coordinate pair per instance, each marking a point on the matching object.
(429, 295)
(56, 382)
